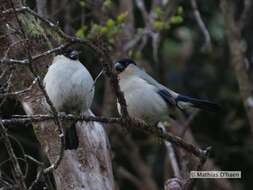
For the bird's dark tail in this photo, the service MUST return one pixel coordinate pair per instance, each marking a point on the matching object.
(184, 101)
(71, 138)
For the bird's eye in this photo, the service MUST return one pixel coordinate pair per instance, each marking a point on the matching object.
(119, 67)
(74, 55)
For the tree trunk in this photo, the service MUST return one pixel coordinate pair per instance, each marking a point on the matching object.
(90, 166)
(238, 60)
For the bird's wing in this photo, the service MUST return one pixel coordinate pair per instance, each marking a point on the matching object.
(178, 100)
(167, 95)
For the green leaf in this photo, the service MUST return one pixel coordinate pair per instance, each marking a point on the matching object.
(110, 23)
(159, 25)
(158, 11)
(122, 17)
(82, 3)
(180, 10)
(107, 4)
(176, 19)
(81, 32)
(103, 30)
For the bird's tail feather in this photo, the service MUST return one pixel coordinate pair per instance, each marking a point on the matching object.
(197, 103)
(71, 138)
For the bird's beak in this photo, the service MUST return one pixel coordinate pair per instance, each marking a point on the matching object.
(118, 67)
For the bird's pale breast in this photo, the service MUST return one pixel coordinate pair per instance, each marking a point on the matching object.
(69, 86)
(142, 100)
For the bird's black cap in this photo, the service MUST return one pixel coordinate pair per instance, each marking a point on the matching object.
(71, 53)
(122, 64)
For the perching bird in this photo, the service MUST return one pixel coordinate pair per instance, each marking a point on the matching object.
(69, 86)
(147, 99)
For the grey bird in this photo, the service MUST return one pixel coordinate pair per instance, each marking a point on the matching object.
(69, 86)
(149, 100)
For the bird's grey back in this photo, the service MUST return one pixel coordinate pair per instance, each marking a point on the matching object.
(136, 71)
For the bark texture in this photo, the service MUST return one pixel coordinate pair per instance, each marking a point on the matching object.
(238, 60)
(90, 166)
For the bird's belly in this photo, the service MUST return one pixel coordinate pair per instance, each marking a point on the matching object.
(69, 95)
(146, 104)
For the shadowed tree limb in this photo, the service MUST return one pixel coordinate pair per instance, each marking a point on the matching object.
(238, 59)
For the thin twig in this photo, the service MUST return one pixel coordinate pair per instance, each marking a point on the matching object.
(7, 88)
(171, 154)
(46, 21)
(107, 67)
(4, 72)
(34, 160)
(192, 181)
(123, 173)
(202, 26)
(95, 80)
(244, 16)
(18, 175)
(40, 84)
(128, 123)
(36, 57)
(23, 153)
(20, 91)
(38, 176)
(22, 119)
(141, 5)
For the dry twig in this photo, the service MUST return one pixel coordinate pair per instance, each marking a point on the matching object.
(202, 26)
(17, 173)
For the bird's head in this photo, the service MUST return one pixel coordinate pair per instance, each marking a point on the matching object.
(122, 64)
(71, 53)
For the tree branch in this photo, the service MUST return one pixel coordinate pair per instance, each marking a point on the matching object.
(128, 123)
(207, 45)
(18, 175)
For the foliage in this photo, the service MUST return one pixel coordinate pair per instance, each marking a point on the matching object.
(110, 29)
